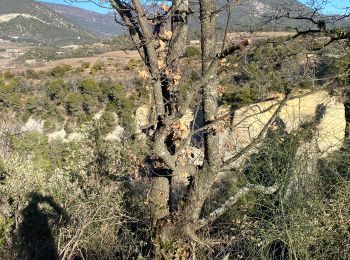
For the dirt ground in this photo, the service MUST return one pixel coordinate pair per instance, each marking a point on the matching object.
(121, 57)
(257, 35)
(14, 50)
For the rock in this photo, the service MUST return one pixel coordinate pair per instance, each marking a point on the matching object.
(115, 135)
(74, 137)
(98, 115)
(33, 125)
(249, 121)
(142, 116)
(58, 135)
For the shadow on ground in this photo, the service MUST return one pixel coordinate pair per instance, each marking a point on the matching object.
(35, 235)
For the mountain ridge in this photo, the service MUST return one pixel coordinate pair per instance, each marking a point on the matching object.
(29, 21)
(102, 25)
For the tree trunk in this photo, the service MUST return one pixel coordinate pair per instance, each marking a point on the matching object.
(210, 91)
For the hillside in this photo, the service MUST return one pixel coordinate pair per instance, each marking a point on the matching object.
(256, 15)
(28, 21)
(98, 24)
(247, 15)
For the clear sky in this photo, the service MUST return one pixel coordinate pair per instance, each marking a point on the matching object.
(83, 4)
(334, 6)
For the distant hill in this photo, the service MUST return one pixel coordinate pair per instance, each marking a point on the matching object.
(29, 21)
(254, 15)
(247, 15)
(99, 24)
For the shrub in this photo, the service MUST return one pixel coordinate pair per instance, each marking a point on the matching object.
(73, 103)
(89, 86)
(8, 74)
(241, 96)
(49, 126)
(32, 74)
(98, 65)
(31, 105)
(85, 65)
(56, 89)
(132, 64)
(9, 97)
(108, 122)
(34, 146)
(192, 52)
(67, 67)
(78, 70)
(59, 71)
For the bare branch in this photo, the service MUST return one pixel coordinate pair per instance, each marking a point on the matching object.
(234, 199)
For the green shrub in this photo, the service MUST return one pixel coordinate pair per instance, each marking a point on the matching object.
(8, 75)
(192, 52)
(73, 103)
(85, 65)
(108, 122)
(32, 74)
(132, 64)
(241, 96)
(89, 86)
(49, 125)
(78, 70)
(59, 71)
(56, 89)
(31, 104)
(2, 170)
(98, 65)
(67, 67)
(34, 146)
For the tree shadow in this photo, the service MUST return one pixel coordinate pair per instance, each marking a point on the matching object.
(35, 237)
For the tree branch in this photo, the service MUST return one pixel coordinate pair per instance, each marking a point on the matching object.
(260, 136)
(234, 199)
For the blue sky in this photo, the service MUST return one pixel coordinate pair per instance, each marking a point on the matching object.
(334, 6)
(83, 4)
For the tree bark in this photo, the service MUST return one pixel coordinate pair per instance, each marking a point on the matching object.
(210, 90)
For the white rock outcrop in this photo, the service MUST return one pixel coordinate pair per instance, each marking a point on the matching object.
(115, 135)
(142, 118)
(249, 121)
(57, 136)
(33, 125)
